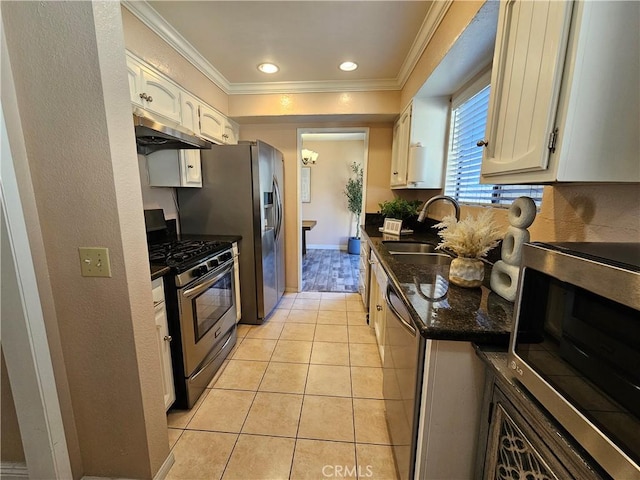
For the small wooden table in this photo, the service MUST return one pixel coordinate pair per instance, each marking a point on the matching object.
(306, 226)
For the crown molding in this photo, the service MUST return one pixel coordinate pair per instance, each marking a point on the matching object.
(152, 19)
(148, 16)
(431, 22)
(312, 87)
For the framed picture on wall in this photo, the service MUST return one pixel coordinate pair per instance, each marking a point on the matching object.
(305, 184)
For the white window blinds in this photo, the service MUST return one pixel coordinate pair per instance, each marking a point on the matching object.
(468, 122)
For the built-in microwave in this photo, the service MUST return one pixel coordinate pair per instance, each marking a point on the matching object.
(575, 345)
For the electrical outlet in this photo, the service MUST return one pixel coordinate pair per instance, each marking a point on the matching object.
(94, 262)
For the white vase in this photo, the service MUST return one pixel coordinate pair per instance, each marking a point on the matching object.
(466, 272)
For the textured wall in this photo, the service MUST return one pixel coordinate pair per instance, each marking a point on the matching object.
(330, 103)
(577, 213)
(11, 446)
(140, 40)
(81, 154)
(458, 17)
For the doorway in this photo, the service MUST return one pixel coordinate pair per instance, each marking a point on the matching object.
(326, 156)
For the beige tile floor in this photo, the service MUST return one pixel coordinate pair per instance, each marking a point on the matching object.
(300, 397)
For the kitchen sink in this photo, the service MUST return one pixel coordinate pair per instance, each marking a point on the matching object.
(406, 247)
(417, 258)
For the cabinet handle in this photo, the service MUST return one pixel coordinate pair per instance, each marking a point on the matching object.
(224, 135)
(379, 308)
(189, 166)
(146, 97)
(143, 96)
(149, 98)
(482, 143)
(168, 338)
(395, 173)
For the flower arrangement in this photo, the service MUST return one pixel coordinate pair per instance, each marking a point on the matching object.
(471, 237)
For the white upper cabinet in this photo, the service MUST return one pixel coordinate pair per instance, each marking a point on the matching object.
(211, 124)
(231, 132)
(564, 102)
(400, 150)
(189, 112)
(174, 168)
(419, 139)
(152, 91)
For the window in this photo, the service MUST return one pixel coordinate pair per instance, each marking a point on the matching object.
(468, 122)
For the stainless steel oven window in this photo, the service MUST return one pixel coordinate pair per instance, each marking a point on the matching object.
(210, 302)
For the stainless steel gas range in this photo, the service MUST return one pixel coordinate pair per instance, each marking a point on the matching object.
(200, 296)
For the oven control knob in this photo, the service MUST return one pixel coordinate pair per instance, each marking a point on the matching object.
(226, 256)
(199, 271)
(214, 263)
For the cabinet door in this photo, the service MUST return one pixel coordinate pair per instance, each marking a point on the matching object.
(531, 46)
(230, 134)
(402, 131)
(163, 338)
(191, 173)
(189, 112)
(514, 449)
(134, 75)
(163, 97)
(211, 124)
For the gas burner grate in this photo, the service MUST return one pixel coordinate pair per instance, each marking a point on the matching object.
(178, 253)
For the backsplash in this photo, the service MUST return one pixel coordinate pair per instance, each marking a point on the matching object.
(577, 213)
(156, 197)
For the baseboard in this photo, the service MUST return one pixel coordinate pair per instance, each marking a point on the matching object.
(13, 471)
(166, 466)
(161, 475)
(326, 247)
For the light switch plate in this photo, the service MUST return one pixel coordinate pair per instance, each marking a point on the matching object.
(94, 262)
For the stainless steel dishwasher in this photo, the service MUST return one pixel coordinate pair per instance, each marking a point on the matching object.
(402, 382)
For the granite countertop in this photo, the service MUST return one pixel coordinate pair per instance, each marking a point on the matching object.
(158, 271)
(441, 311)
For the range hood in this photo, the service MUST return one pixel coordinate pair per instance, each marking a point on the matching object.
(151, 135)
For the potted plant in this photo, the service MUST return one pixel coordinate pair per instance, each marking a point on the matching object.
(353, 192)
(470, 239)
(399, 208)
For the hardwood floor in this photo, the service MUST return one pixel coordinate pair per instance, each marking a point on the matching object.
(329, 271)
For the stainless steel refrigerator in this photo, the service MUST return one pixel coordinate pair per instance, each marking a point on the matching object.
(241, 194)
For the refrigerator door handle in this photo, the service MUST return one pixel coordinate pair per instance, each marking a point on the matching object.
(276, 190)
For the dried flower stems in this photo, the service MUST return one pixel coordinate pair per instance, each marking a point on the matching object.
(471, 237)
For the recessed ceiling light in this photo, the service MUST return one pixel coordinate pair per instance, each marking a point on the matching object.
(268, 68)
(348, 66)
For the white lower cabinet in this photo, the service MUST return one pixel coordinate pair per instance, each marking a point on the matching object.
(450, 406)
(377, 302)
(163, 340)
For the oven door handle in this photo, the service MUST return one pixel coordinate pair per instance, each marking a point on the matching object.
(192, 292)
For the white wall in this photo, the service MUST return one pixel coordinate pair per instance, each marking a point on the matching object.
(328, 204)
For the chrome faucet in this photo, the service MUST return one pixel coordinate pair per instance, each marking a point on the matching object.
(427, 204)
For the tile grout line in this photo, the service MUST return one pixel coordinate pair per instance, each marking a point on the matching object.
(304, 389)
(255, 394)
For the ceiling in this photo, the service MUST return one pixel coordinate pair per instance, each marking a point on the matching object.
(306, 39)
